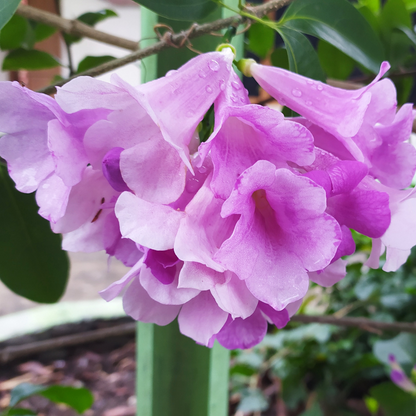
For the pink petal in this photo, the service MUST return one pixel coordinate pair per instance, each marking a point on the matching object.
(243, 333)
(150, 225)
(201, 318)
(234, 297)
(197, 276)
(331, 274)
(141, 307)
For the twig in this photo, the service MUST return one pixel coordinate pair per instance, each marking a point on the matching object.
(74, 27)
(363, 323)
(15, 351)
(177, 39)
(12, 352)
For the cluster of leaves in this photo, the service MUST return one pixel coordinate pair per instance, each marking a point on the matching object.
(19, 37)
(79, 399)
(326, 366)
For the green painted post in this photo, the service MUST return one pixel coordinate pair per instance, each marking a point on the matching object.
(175, 376)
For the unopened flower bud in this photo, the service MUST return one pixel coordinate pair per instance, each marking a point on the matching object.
(244, 66)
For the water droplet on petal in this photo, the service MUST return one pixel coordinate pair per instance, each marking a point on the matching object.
(309, 103)
(296, 93)
(310, 82)
(222, 84)
(190, 113)
(320, 87)
(234, 99)
(208, 89)
(192, 185)
(235, 85)
(213, 65)
(171, 72)
(202, 74)
(202, 169)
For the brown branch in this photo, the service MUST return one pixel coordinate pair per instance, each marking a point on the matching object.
(74, 27)
(176, 39)
(362, 323)
(15, 351)
(12, 352)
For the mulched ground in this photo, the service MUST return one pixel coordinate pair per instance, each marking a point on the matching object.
(107, 368)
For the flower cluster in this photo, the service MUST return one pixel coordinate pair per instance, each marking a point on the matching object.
(224, 234)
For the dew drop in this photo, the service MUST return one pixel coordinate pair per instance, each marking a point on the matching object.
(309, 103)
(222, 84)
(234, 99)
(208, 89)
(192, 185)
(213, 65)
(202, 169)
(202, 74)
(236, 85)
(170, 73)
(320, 87)
(310, 82)
(296, 93)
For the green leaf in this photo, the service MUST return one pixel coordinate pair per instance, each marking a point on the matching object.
(91, 19)
(314, 410)
(188, 10)
(302, 56)
(13, 33)
(335, 63)
(21, 412)
(373, 5)
(92, 61)
(260, 39)
(23, 391)
(371, 18)
(410, 5)
(80, 399)
(32, 263)
(393, 400)
(28, 59)
(408, 32)
(403, 346)
(253, 400)
(7, 9)
(339, 23)
(371, 404)
(394, 14)
(279, 58)
(43, 32)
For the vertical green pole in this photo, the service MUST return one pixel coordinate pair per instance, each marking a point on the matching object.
(175, 376)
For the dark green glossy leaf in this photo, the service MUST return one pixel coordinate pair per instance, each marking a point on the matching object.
(188, 10)
(314, 410)
(408, 32)
(335, 63)
(92, 61)
(404, 87)
(371, 18)
(21, 412)
(80, 399)
(32, 263)
(260, 39)
(43, 32)
(28, 59)
(393, 400)
(410, 5)
(23, 391)
(393, 15)
(302, 56)
(91, 19)
(279, 58)
(339, 23)
(13, 33)
(7, 9)
(373, 5)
